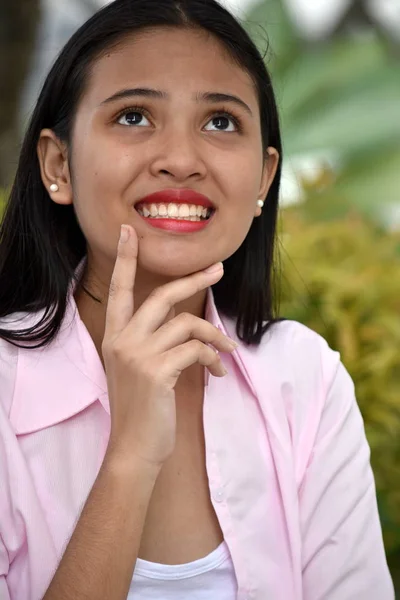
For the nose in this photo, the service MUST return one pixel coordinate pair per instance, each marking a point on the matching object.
(177, 156)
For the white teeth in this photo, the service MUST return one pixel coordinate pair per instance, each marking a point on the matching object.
(172, 210)
(185, 212)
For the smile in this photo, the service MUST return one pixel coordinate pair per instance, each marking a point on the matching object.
(184, 212)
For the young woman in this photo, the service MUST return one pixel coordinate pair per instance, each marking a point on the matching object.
(143, 453)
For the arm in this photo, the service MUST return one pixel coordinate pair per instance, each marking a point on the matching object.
(101, 555)
(343, 552)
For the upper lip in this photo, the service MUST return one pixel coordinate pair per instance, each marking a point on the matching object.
(177, 196)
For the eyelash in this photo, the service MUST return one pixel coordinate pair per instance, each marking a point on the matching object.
(223, 113)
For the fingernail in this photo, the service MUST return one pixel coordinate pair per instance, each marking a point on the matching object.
(233, 343)
(228, 339)
(125, 233)
(214, 268)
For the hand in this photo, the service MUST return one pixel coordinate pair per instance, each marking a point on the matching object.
(144, 355)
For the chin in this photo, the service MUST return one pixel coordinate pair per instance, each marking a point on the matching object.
(170, 268)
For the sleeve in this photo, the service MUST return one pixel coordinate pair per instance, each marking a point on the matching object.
(343, 556)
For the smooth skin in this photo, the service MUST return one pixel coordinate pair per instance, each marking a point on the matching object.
(151, 497)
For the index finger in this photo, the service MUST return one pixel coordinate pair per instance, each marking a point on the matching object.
(120, 305)
(153, 312)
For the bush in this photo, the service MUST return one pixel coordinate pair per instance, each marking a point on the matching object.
(341, 278)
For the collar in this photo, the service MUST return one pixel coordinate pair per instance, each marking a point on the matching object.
(59, 381)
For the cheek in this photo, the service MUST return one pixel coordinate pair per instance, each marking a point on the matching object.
(242, 172)
(244, 188)
(103, 165)
(99, 179)
(239, 210)
(102, 174)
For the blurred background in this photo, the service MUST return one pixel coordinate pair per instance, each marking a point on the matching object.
(336, 70)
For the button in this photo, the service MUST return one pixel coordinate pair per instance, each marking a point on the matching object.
(218, 495)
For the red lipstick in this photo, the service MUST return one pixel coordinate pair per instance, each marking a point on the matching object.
(177, 196)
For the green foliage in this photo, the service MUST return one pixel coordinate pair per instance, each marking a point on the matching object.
(339, 96)
(341, 278)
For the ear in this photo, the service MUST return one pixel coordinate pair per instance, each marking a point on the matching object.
(54, 167)
(269, 171)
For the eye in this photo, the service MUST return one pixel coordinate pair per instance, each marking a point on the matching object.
(224, 122)
(133, 116)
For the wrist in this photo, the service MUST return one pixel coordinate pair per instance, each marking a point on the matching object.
(130, 465)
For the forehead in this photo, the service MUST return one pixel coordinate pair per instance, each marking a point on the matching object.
(172, 59)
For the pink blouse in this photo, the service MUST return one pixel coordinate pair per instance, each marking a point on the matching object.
(286, 455)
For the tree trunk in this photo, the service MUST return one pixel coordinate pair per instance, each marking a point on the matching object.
(19, 20)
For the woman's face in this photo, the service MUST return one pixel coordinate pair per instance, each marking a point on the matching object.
(173, 139)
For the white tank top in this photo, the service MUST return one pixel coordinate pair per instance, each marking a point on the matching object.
(209, 578)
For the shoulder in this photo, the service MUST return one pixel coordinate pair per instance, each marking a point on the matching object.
(301, 384)
(290, 351)
(302, 366)
(300, 350)
(306, 364)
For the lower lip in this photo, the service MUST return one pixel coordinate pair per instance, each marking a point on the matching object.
(176, 225)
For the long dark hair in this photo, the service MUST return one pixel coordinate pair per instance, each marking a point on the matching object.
(41, 242)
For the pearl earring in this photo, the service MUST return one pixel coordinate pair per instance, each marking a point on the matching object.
(260, 203)
(54, 187)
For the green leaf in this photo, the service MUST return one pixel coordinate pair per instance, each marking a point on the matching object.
(372, 184)
(356, 116)
(325, 68)
(272, 29)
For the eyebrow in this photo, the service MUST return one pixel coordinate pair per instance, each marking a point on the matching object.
(209, 97)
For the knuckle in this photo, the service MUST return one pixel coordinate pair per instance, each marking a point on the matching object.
(114, 349)
(213, 355)
(197, 345)
(158, 294)
(185, 320)
(114, 289)
(105, 346)
(118, 350)
(162, 295)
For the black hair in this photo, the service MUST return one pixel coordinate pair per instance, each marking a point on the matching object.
(41, 242)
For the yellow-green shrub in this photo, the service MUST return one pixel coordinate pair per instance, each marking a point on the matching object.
(342, 279)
